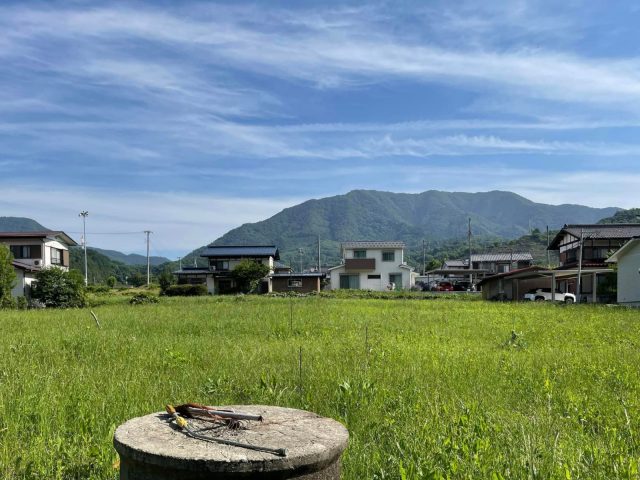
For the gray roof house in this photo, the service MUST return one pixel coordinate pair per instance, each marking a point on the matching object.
(222, 260)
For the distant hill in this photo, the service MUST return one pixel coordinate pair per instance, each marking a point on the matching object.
(435, 216)
(623, 216)
(20, 224)
(101, 263)
(131, 258)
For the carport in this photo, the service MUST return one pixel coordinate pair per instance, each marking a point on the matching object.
(520, 281)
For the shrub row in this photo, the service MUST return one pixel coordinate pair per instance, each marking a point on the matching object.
(185, 290)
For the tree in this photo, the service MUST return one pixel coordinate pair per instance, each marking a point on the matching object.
(7, 275)
(137, 279)
(56, 287)
(111, 281)
(248, 274)
(165, 279)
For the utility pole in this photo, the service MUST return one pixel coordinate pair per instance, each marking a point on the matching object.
(84, 214)
(300, 251)
(470, 262)
(424, 258)
(148, 263)
(318, 253)
(548, 252)
(579, 282)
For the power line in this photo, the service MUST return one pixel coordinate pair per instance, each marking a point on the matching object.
(112, 233)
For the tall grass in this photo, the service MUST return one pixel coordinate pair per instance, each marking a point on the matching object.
(427, 389)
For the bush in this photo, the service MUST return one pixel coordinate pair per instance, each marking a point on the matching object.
(98, 289)
(7, 276)
(143, 298)
(57, 288)
(111, 281)
(8, 302)
(186, 290)
(22, 303)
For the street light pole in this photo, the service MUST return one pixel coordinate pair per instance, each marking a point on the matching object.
(300, 251)
(84, 214)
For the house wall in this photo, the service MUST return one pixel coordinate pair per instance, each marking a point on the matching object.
(377, 284)
(48, 244)
(45, 258)
(309, 284)
(629, 278)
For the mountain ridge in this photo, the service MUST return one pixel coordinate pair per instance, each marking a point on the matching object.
(433, 215)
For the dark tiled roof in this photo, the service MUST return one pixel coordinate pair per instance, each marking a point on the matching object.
(294, 275)
(237, 251)
(502, 257)
(43, 234)
(455, 263)
(373, 244)
(607, 231)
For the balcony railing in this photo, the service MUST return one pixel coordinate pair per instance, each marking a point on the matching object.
(360, 264)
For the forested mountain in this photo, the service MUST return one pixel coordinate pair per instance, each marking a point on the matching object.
(441, 218)
(131, 258)
(20, 224)
(623, 216)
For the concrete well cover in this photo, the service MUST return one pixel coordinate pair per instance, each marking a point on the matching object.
(312, 442)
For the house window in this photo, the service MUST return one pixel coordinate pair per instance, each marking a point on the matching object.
(389, 256)
(26, 251)
(350, 281)
(56, 256)
(220, 264)
(373, 277)
(359, 254)
(295, 283)
(504, 268)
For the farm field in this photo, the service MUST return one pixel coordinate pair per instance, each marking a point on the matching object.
(427, 388)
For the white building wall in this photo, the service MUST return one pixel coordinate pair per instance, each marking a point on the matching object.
(384, 269)
(45, 258)
(629, 277)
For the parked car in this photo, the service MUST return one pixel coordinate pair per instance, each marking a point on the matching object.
(443, 287)
(461, 287)
(544, 294)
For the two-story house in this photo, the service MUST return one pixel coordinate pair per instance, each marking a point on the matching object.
(494, 263)
(372, 266)
(33, 251)
(217, 276)
(598, 243)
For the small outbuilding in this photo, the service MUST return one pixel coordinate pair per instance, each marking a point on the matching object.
(628, 260)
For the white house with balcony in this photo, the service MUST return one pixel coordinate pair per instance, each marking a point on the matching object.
(222, 259)
(372, 266)
(33, 251)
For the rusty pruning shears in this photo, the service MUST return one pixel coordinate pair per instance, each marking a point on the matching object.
(228, 417)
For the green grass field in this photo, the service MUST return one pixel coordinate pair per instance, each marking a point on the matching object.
(427, 388)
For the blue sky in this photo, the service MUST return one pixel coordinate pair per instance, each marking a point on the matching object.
(190, 118)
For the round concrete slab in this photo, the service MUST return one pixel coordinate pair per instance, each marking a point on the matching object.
(153, 447)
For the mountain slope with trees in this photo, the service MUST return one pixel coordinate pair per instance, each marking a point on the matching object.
(437, 217)
(623, 216)
(20, 224)
(131, 258)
